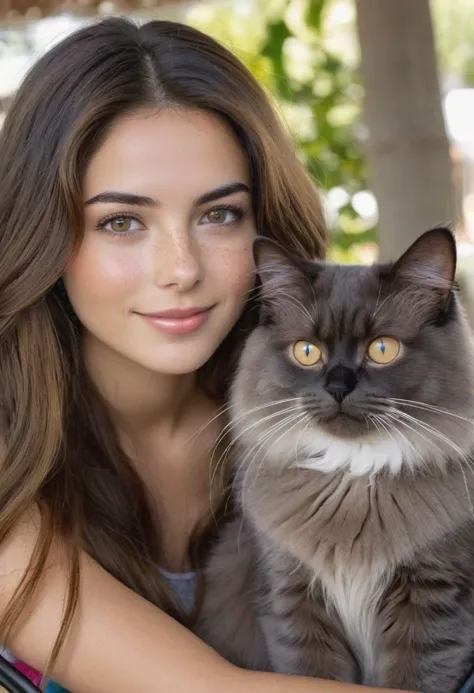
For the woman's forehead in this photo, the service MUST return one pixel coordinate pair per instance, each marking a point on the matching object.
(150, 152)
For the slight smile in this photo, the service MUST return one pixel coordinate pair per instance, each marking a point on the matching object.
(178, 321)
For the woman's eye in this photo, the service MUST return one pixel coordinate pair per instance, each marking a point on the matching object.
(121, 224)
(221, 216)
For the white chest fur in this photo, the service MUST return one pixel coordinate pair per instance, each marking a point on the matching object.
(355, 595)
(359, 457)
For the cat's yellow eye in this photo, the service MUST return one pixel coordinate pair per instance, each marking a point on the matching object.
(384, 350)
(306, 353)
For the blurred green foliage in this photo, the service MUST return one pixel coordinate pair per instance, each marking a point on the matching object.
(305, 52)
(454, 34)
(307, 60)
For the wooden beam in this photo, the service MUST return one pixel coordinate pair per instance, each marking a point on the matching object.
(10, 9)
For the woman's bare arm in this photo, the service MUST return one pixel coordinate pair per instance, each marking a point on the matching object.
(119, 642)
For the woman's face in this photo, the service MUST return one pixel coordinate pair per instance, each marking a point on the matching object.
(166, 262)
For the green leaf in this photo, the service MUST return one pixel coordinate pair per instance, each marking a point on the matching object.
(277, 33)
(314, 13)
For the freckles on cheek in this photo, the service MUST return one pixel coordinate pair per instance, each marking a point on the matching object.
(236, 267)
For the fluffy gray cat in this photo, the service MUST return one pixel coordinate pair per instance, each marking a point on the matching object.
(351, 552)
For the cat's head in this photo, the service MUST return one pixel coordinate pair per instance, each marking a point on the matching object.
(364, 367)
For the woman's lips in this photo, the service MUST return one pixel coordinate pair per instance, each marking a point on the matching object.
(178, 321)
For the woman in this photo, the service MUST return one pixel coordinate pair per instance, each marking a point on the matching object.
(136, 167)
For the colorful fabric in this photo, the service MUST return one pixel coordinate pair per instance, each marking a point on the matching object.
(29, 672)
(55, 688)
(35, 677)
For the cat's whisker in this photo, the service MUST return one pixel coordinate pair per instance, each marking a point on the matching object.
(461, 467)
(288, 411)
(395, 419)
(371, 418)
(396, 416)
(376, 420)
(303, 431)
(430, 429)
(455, 447)
(401, 417)
(220, 412)
(263, 437)
(215, 467)
(379, 307)
(392, 409)
(462, 455)
(429, 407)
(253, 290)
(239, 534)
(292, 300)
(297, 419)
(379, 425)
(276, 425)
(268, 417)
(258, 446)
(248, 412)
(247, 430)
(374, 313)
(388, 426)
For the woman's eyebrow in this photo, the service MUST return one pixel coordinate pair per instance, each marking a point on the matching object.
(222, 191)
(122, 198)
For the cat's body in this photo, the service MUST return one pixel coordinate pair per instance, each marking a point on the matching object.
(353, 555)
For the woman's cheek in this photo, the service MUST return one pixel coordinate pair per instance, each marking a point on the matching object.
(234, 266)
(98, 274)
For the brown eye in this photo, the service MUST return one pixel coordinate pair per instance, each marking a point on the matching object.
(384, 350)
(218, 216)
(120, 224)
(223, 216)
(306, 354)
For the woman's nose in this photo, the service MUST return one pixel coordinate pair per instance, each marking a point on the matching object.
(177, 262)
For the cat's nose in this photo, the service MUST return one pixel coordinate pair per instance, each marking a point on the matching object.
(340, 381)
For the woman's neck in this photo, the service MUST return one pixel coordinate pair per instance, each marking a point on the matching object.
(168, 427)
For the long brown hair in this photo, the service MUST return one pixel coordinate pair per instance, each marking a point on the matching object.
(61, 450)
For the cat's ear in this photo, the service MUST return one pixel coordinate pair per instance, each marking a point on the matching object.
(277, 267)
(429, 264)
(272, 262)
(283, 278)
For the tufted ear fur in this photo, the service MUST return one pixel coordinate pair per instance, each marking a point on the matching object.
(274, 264)
(278, 268)
(429, 264)
(285, 279)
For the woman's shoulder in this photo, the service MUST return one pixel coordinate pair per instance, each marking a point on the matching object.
(110, 621)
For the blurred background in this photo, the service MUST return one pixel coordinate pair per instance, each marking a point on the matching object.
(378, 96)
